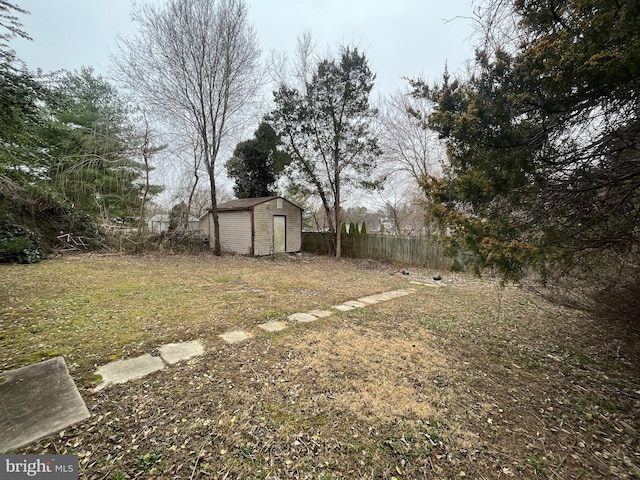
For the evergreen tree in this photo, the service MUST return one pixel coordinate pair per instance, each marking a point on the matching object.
(543, 143)
(257, 163)
(325, 127)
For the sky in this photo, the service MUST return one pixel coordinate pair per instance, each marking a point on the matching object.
(401, 38)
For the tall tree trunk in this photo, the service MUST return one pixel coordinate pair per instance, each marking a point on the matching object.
(145, 193)
(337, 213)
(196, 167)
(217, 250)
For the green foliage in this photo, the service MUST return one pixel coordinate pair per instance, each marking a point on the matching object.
(18, 245)
(178, 218)
(257, 163)
(343, 228)
(353, 229)
(67, 160)
(148, 462)
(363, 229)
(456, 266)
(543, 143)
(325, 125)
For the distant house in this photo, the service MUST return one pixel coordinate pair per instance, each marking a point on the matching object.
(256, 226)
(160, 224)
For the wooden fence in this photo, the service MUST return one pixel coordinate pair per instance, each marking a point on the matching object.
(394, 248)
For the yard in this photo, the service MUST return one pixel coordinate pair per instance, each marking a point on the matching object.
(471, 380)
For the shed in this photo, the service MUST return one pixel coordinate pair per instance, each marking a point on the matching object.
(256, 226)
(160, 224)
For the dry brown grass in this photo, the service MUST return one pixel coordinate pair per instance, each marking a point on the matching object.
(470, 380)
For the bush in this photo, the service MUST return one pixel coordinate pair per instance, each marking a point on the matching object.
(456, 266)
(17, 244)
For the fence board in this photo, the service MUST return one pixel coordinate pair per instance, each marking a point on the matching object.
(394, 248)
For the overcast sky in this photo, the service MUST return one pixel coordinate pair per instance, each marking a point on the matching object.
(401, 38)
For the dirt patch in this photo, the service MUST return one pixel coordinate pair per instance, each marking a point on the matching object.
(368, 372)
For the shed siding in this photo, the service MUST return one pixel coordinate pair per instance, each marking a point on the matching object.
(235, 231)
(263, 224)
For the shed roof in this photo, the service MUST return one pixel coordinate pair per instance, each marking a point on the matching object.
(247, 203)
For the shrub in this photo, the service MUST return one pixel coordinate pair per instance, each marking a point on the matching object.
(17, 244)
(456, 266)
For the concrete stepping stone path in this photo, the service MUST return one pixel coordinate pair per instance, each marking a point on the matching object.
(121, 371)
(302, 317)
(343, 307)
(355, 304)
(42, 399)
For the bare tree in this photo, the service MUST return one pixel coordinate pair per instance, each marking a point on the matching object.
(410, 153)
(147, 151)
(496, 26)
(407, 146)
(197, 63)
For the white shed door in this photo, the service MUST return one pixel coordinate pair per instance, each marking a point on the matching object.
(279, 236)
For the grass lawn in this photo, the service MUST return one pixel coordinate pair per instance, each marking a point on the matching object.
(470, 380)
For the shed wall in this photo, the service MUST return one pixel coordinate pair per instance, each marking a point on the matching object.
(235, 231)
(263, 225)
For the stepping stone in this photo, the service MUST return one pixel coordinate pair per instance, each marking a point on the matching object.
(36, 401)
(355, 304)
(321, 313)
(302, 317)
(272, 326)
(368, 300)
(427, 284)
(121, 371)
(237, 336)
(343, 307)
(175, 352)
(381, 297)
(398, 293)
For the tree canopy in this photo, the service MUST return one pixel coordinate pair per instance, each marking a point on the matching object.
(325, 128)
(543, 143)
(67, 157)
(197, 63)
(257, 163)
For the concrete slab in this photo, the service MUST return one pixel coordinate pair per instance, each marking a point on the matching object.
(321, 313)
(343, 307)
(381, 297)
(430, 284)
(302, 317)
(355, 304)
(36, 401)
(368, 300)
(272, 326)
(398, 293)
(121, 371)
(176, 352)
(237, 336)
